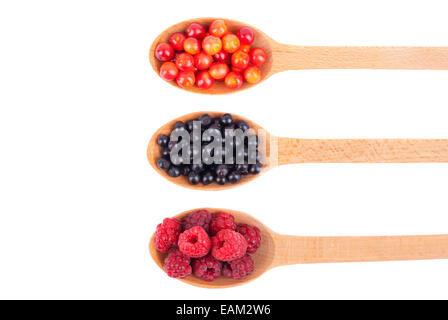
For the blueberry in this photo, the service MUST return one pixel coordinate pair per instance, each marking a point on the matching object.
(234, 177)
(162, 140)
(206, 120)
(255, 168)
(163, 164)
(179, 124)
(208, 177)
(221, 180)
(242, 168)
(194, 178)
(197, 167)
(174, 171)
(221, 170)
(185, 170)
(189, 125)
(226, 119)
(243, 125)
(166, 153)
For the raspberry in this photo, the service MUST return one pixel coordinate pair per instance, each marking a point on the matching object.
(238, 269)
(200, 218)
(252, 236)
(207, 268)
(167, 233)
(177, 265)
(228, 245)
(194, 242)
(221, 221)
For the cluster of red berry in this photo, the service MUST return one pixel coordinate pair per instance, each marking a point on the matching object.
(202, 57)
(207, 245)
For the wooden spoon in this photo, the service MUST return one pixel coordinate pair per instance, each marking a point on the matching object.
(282, 57)
(278, 250)
(280, 151)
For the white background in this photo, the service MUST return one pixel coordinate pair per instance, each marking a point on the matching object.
(79, 102)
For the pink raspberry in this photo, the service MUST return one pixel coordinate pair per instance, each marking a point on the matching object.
(238, 269)
(228, 245)
(177, 265)
(200, 218)
(252, 236)
(167, 234)
(194, 242)
(207, 268)
(221, 221)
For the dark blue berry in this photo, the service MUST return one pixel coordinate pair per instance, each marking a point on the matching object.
(179, 124)
(226, 119)
(174, 171)
(243, 125)
(206, 120)
(208, 177)
(221, 180)
(197, 167)
(255, 168)
(194, 178)
(163, 163)
(221, 170)
(185, 170)
(162, 140)
(234, 177)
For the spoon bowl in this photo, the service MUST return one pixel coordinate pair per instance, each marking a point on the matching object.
(261, 40)
(263, 258)
(278, 250)
(281, 151)
(154, 152)
(283, 57)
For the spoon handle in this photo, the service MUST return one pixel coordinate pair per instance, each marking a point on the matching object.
(293, 250)
(362, 150)
(288, 57)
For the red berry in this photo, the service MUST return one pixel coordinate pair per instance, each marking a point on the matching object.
(185, 79)
(168, 71)
(233, 80)
(228, 245)
(258, 56)
(202, 60)
(194, 242)
(246, 35)
(218, 70)
(230, 43)
(204, 80)
(192, 45)
(195, 30)
(218, 28)
(252, 74)
(221, 221)
(185, 61)
(211, 45)
(238, 269)
(200, 218)
(252, 236)
(222, 56)
(164, 52)
(167, 234)
(177, 41)
(177, 265)
(240, 60)
(245, 48)
(207, 268)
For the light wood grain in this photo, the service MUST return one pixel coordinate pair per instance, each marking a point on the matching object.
(283, 57)
(278, 250)
(287, 57)
(362, 150)
(281, 151)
